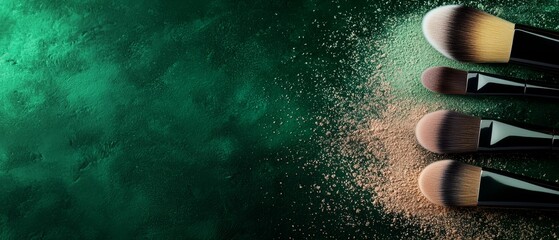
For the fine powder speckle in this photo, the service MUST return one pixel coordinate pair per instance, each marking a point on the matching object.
(390, 175)
(373, 144)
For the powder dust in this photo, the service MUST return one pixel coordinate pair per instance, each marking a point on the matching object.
(380, 155)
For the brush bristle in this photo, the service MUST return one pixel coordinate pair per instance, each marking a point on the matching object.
(467, 34)
(450, 183)
(448, 132)
(445, 80)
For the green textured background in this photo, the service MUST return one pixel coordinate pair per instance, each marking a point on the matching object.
(197, 119)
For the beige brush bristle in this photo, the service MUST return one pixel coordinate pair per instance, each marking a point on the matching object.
(448, 132)
(450, 183)
(467, 34)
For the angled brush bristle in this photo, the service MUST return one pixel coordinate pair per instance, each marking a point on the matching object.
(450, 183)
(448, 132)
(445, 80)
(467, 34)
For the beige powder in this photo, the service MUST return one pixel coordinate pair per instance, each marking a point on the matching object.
(371, 160)
(383, 158)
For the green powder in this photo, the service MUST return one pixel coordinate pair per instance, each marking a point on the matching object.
(376, 153)
(222, 119)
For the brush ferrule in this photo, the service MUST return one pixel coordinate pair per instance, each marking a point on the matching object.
(479, 83)
(489, 84)
(535, 47)
(503, 189)
(496, 136)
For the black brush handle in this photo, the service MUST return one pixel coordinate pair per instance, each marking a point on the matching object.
(535, 47)
(541, 90)
(479, 83)
(497, 136)
(503, 189)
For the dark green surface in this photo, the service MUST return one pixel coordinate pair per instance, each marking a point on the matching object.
(196, 119)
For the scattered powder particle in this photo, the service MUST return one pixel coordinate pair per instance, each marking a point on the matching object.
(371, 160)
(373, 143)
(383, 158)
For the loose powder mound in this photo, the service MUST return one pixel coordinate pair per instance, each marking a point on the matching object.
(382, 157)
(371, 160)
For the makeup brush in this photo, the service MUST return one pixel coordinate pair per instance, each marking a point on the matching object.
(453, 81)
(452, 132)
(470, 35)
(452, 183)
